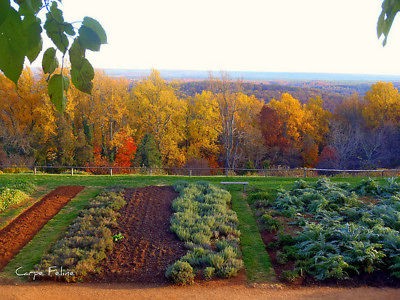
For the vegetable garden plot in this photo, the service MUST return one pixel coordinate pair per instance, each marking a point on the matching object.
(147, 245)
(19, 232)
(135, 238)
(326, 232)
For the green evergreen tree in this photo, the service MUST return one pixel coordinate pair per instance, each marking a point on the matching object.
(147, 154)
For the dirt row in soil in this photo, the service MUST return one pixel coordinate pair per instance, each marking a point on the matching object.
(148, 246)
(20, 231)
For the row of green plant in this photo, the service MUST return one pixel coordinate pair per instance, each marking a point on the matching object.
(203, 220)
(343, 231)
(14, 193)
(10, 197)
(88, 239)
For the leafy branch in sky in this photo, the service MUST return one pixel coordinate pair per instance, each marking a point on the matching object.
(390, 8)
(21, 31)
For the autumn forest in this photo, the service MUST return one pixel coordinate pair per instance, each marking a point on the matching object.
(152, 123)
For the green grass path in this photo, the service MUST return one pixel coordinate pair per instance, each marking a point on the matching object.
(255, 257)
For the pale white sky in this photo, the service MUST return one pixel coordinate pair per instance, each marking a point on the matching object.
(336, 36)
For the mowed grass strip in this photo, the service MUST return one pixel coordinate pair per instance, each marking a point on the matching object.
(32, 253)
(52, 181)
(256, 259)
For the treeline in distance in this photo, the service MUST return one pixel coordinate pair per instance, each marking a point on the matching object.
(152, 123)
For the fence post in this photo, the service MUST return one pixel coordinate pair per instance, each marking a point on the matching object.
(111, 171)
(72, 171)
(190, 173)
(34, 170)
(305, 172)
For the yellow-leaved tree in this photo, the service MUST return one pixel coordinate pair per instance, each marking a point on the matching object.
(382, 104)
(98, 117)
(203, 126)
(156, 110)
(27, 117)
(305, 126)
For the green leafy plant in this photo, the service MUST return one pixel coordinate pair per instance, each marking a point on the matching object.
(10, 196)
(341, 235)
(208, 273)
(117, 237)
(269, 223)
(290, 275)
(181, 273)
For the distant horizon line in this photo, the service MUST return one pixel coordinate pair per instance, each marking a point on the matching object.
(252, 75)
(247, 75)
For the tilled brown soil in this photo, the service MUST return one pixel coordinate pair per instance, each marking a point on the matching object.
(19, 232)
(148, 246)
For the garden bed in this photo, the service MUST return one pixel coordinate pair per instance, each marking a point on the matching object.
(131, 238)
(21, 230)
(326, 233)
(148, 246)
(204, 221)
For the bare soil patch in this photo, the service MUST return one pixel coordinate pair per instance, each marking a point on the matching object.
(20, 231)
(148, 246)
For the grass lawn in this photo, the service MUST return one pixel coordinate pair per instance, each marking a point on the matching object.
(52, 181)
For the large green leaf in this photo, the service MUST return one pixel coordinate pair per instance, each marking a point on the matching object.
(29, 7)
(49, 62)
(55, 28)
(33, 53)
(57, 86)
(69, 29)
(96, 27)
(82, 77)
(76, 54)
(89, 39)
(4, 10)
(12, 46)
(56, 13)
(32, 30)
